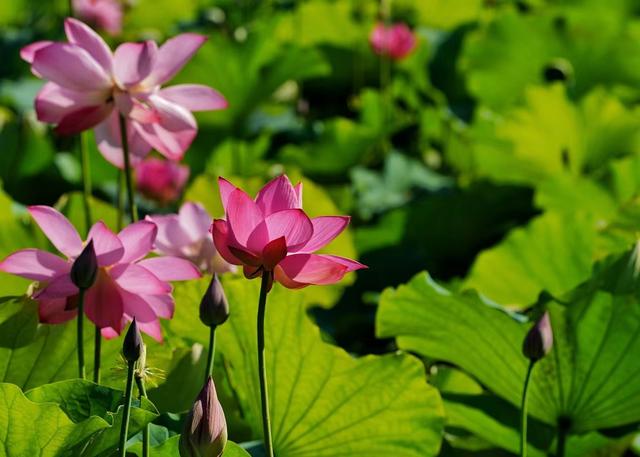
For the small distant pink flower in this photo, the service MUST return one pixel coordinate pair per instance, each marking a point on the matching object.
(126, 285)
(161, 180)
(89, 86)
(103, 14)
(395, 41)
(273, 233)
(186, 235)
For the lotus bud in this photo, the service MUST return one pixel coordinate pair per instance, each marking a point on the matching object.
(132, 346)
(214, 307)
(85, 267)
(539, 340)
(205, 429)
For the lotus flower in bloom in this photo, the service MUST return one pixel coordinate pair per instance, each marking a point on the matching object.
(126, 286)
(103, 14)
(273, 233)
(161, 180)
(395, 41)
(186, 235)
(89, 87)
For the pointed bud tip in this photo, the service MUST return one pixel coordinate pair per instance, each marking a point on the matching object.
(539, 339)
(214, 307)
(132, 346)
(85, 268)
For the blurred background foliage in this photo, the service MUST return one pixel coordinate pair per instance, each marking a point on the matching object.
(503, 156)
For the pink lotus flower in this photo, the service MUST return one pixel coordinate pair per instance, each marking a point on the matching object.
(126, 286)
(89, 86)
(103, 14)
(273, 233)
(161, 180)
(186, 235)
(395, 41)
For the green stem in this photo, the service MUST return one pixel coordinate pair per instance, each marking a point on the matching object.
(133, 211)
(97, 346)
(120, 200)
(80, 334)
(523, 411)
(212, 352)
(124, 429)
(142, 393)
(266, 421)
(86, 180)
(563, 429)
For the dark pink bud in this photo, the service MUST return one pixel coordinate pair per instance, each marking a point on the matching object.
(214, 307)
(132, 346)
(205, 429)
(85, 267)
(539, 340)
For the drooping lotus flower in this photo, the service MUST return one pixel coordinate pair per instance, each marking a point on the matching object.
(89, 86)
(273, 233)
(395, 41)
(126, 285)
(102, 14)
(186, 235)
(161, 180)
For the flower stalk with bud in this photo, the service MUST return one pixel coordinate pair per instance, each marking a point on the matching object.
(132, 349)
(214, 311)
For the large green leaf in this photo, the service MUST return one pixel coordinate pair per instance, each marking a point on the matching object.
(323, 401)
(170, 449)
(28, 428)
(586, 382)
(83, 400)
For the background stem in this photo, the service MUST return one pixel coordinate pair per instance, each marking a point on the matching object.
(264, 397)
(97, 346)
(133, 211)
(212, 352)
(124, 430)
(80, 334)
(142, 393)
(86, 180)
(523, 411)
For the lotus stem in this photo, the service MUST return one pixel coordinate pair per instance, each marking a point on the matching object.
(142, 393)
(264, 397)
(212, 352)
(96, 355)
(80, 334)
(523, 410)
(124, 430)
(133, 211)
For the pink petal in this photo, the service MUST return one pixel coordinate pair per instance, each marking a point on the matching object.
(28, 52)
(109, 141)
(162, 305)
(172, 56)
(35, 264)
(153, 329)
(53, 102)
(82, 35)
(351, 265)
(59, 287)
(220, 233)
(137, 240)
(195, 221)
(137, 306)
(293, 224)
(312, 269)
(243, 216)
(56, 310)
(226, 188)
(58, 229)
(106, 14)
(171, 237)
(83, 119)
(138, 280)
(171, 268)
(274, 252)
(109, 333)
(277, 195)
(325, 229)
(195, 97)
(108, 247)
(133, 109)
(103, 303)
(173, 133)
(298, 190)
(133, 62)
(70, 66)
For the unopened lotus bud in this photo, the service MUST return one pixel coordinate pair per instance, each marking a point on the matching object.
(558, 70)
(539, 340)
(85, 267)
(132, 346)
(214, 307)
(205, 429)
